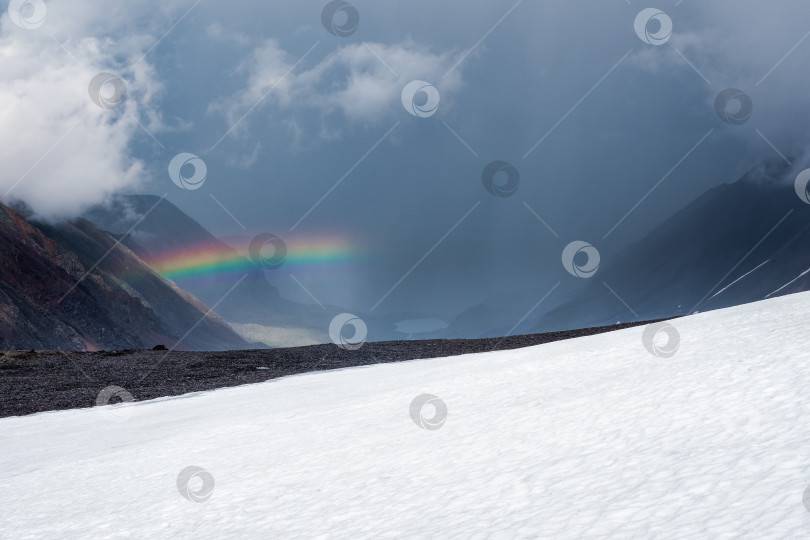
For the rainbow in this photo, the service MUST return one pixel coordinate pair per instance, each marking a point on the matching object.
(218, 259)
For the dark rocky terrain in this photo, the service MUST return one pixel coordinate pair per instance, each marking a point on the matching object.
(70, 285)
(33, 382)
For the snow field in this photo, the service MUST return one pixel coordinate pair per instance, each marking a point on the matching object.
(588, 438)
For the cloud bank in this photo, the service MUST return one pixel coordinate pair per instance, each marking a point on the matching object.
(61, 151)
(755, 47)
(361, 82)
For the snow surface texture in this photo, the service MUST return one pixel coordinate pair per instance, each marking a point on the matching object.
(588, 438)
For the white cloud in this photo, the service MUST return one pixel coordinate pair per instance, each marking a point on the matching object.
(362, 82)
(216, 32)
(61, 152)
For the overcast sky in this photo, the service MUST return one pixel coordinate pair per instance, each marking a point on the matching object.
(285, 114)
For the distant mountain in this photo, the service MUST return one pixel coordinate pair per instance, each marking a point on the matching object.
(71, 286)
(737, 243)
(167, 237)
(255, 308)
(724, 248)
(498, 314)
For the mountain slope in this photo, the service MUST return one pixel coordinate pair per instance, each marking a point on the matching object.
(755, 225)
(166, 231)
(587, 438)
(70, 286)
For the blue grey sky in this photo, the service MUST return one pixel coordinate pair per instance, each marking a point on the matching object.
(597, 122)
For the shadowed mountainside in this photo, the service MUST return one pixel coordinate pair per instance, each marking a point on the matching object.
(167, 236)
(71, 286)
(735, 244)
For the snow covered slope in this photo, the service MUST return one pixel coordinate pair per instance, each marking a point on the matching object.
(589, 438)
